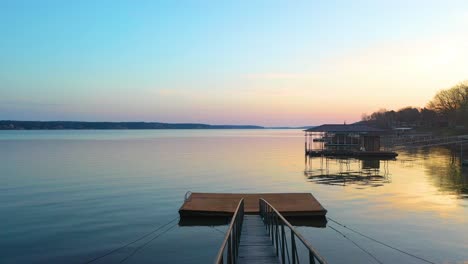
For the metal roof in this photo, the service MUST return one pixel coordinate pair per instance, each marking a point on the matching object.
(344, 128)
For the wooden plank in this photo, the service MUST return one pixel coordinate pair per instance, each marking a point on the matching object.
(288, 204)
(255, 244)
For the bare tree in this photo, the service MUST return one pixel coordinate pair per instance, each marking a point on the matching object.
(452, 103)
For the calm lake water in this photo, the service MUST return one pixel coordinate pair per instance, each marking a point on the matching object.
(70, 196)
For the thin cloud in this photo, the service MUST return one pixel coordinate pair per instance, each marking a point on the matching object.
(279, 76)
(28, 103)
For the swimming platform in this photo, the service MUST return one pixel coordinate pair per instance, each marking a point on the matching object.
(225, 204)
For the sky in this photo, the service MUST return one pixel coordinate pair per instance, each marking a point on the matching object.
(271, 63)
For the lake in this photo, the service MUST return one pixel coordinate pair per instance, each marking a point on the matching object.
(71, 196)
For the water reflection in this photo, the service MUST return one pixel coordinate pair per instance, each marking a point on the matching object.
(347, 171)
(441, 165)
(447, 173)
(204, 221)
(212, 221)
(103, 193)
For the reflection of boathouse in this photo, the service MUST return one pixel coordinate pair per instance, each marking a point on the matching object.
(347, 171)
(345, 140)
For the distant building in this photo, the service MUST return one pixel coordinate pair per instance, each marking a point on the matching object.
(402, 130)
(345, 140)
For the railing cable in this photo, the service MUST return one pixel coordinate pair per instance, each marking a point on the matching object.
(222, 232)
(130, 243)
(144, 245)
(357, 245)
(380, 242)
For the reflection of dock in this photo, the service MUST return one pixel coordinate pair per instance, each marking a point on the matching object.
(316, 221)
(345, 171)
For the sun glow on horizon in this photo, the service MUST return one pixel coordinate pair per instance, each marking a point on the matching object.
(321, 63)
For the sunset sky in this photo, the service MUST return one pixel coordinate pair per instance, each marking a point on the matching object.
(272, 63)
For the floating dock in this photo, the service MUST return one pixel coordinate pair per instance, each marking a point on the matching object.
(225, 204)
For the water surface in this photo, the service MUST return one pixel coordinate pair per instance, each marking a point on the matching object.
(70, 196)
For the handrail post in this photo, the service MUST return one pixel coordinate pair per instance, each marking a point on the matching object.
(276, 236)
(270, 220)
(311, 258)
(229, 256)
(234, 248)
(283, 256)
(273, 224)
(293, 247)
(260, 208)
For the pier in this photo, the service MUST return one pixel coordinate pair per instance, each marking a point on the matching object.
(258, 231)
(264, 238)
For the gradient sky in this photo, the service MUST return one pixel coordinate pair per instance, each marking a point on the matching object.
(270, 63)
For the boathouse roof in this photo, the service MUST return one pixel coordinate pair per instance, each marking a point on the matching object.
(352, 128)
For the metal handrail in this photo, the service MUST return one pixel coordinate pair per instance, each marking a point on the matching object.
(275, 224)
(232, 238)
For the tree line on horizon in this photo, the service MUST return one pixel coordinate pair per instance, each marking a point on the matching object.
(448, 108)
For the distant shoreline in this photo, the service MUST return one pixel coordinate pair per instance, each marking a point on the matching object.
(81, 125)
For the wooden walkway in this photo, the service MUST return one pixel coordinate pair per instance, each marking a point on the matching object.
(255, 244)
(224, 204)
(247, 240)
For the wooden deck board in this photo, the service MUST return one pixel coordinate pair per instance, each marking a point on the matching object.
(255, 244)
(288, 204)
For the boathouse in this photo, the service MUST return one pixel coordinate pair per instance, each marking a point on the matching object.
(345, 140)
